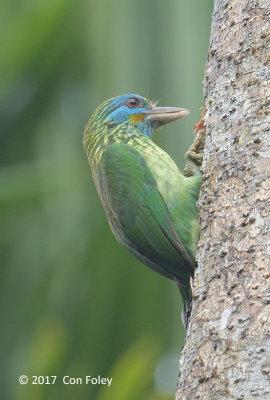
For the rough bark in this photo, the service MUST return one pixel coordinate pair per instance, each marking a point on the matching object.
(227, 349)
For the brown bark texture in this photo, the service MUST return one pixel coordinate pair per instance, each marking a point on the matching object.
(227, 350)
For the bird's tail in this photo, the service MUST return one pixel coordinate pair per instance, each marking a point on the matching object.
(186, 295)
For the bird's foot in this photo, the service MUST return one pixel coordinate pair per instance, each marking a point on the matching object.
(194, 155)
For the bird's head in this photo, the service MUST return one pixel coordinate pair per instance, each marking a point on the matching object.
(138, 111)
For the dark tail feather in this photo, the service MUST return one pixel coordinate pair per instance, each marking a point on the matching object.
(186, 295)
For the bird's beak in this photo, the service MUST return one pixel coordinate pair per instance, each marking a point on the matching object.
(164, 115)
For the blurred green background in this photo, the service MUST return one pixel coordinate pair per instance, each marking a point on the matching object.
(72, 301)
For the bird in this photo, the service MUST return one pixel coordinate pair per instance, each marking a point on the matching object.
(150, 205)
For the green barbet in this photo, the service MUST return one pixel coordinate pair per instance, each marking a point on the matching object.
(149, 203)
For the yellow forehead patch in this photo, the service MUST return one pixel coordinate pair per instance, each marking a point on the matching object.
(136, 118)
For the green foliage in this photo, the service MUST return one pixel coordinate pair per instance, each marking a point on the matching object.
(72, 301)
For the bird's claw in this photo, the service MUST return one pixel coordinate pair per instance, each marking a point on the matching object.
(194, 155)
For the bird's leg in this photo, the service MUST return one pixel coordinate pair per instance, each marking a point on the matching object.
(194, 155)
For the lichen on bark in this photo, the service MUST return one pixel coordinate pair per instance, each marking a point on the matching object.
(227, 349)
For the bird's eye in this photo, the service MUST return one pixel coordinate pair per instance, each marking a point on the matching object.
(133, 102)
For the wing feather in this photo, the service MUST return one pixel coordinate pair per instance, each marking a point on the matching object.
(138, 214)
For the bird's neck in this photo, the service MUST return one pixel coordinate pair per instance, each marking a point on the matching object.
(97, 138)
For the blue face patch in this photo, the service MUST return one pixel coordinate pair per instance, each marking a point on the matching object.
(129, 108)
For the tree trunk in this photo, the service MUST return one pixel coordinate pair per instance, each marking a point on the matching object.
(227, 349)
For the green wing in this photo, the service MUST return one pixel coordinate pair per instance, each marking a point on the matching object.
(138, 214)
